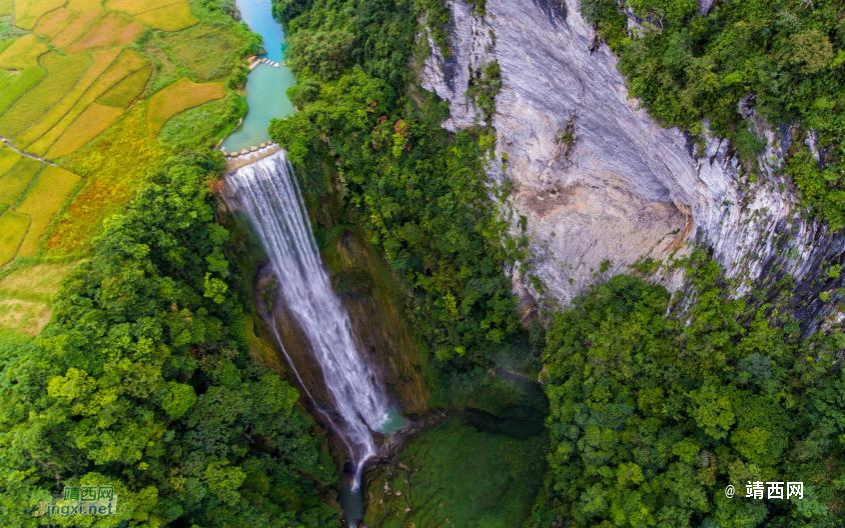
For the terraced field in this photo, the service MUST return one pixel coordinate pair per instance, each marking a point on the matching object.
(85, 88)
(178, 97)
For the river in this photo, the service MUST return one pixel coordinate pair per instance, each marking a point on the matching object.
(266, 86)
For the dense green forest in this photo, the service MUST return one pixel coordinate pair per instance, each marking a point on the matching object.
(143, 378)
(652, 416)
(142, 381)
(784, 58)
(420, 192)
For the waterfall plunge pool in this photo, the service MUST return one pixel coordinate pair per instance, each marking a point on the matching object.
(352, 500)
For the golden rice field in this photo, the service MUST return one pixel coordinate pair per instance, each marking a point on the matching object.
(13, 227)
(16, 179)
(127, 90)
(23, 53)
(85, 87)
(178, 97)
(8, 158)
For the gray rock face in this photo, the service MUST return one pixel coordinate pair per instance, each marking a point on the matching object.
(704, 6)
(471, 44)
(598, 180)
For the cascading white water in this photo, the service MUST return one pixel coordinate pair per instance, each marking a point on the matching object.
(267, 192)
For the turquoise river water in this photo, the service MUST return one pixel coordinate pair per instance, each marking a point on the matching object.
(266, 86)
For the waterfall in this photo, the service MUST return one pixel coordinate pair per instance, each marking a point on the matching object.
(267, 192)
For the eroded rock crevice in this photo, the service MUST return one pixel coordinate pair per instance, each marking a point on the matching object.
(624, 188)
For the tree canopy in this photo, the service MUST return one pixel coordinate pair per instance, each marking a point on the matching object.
(653, 416)
(142, 381)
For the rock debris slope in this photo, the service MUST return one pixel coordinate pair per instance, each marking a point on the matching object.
(598, 180)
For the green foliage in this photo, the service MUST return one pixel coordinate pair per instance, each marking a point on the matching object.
(822, 187)
(646, 266)
(325, 53)
(438, 19)
(663, 12)
(376, 34)
(286, 10)
(652, 417)
(484, 86)
(419, 192)
(606, 16)
(786, 54)
(142, 381)
(492, 486)
(204, 125)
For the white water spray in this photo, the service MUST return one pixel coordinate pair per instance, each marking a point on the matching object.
(267, 192)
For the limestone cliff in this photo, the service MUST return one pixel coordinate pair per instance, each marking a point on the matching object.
(599, 182)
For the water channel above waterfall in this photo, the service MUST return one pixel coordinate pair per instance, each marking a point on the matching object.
(266, 87)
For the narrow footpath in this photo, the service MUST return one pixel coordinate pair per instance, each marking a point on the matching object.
(9, 144)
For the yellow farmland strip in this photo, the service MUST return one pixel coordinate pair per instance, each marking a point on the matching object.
(128, 62)
(7, 7)
(54, 22)
(77, 26)
(15, 181)
(63, 72)
(8, 158)
(112, 29)
(13, 227)
(126, 91)
(85, 5)
(172, 17)
(45, 199)
(178, 97)
(134, 7)
(22, 53)
(100, 62)
(93, 121)
(27, 12)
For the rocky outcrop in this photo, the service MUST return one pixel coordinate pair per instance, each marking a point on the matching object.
(365, 287)
(705, 6)
(601, 184)
(449, 74)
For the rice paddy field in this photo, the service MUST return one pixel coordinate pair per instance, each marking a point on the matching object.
(93, 94)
